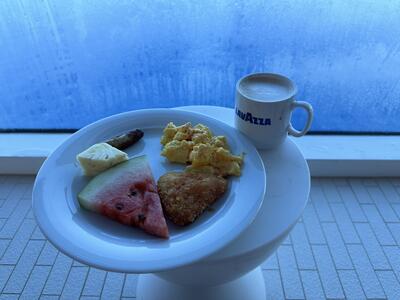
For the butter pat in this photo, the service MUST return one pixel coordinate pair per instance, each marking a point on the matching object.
(99, 158)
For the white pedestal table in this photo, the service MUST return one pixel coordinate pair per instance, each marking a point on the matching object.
(234, 272)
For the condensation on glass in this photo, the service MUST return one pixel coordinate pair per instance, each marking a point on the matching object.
(64, 64)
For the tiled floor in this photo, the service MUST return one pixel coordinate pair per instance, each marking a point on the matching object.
(345, 246)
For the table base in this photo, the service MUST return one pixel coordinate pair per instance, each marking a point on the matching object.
(250, 286)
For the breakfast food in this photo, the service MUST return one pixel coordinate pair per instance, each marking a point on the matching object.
(127, 193)
(198, 147)
(123, 141)
(124, 189)
(185, 196)
(220, 159)
(100, 157)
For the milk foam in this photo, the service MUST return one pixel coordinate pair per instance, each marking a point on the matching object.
(266, 88)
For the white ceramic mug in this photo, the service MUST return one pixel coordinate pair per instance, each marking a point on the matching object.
(263, 108)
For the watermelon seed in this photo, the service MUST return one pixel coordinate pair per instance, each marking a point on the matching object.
(132, 193)
(119, 206)
(141, 217)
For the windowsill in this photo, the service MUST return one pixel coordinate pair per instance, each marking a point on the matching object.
(326, 155)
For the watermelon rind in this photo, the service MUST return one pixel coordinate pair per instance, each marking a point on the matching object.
(107, 179)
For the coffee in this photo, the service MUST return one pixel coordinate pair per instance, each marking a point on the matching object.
(266, 88)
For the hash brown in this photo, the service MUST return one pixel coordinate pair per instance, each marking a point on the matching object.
(185, 196)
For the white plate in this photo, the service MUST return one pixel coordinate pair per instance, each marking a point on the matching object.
(97, 241)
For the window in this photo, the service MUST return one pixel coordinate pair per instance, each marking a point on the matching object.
(64, 64)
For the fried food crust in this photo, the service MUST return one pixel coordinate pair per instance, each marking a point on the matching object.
(185, 196)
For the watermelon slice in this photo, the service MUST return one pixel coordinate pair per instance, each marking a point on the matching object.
(127, 193)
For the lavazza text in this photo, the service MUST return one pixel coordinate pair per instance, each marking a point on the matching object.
(248, 117)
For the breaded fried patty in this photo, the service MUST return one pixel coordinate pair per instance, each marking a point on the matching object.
(184, 196)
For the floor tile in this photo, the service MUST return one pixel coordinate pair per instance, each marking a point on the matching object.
(395, 230)
(113, 286)
(396, 208)
(48, 255)
(360, 191)
(327, 272)
(12, 200)
(345, 224)
(37, 234)
(351, 285)
(74, 284)
(273, 284)
(331, 194)
(18, 243)
(5, 189)
(346, 245)
(337, 247)
(5, 272)
(312, 285)
(271, 263)
(130, 284)
(15, 220)
(49, 297)
(302, 249)
(312, 225)
(24, 267)
(3, 246)
(390, 284)
(383, 206)
(371, 245)
(321, 204)
(35, 284)
(58, 275)
(369, 281)
(352, 205)
(389, 190)
(94, 282)
(393, 255)
(378, 225)
(290, 275)
(5, 296)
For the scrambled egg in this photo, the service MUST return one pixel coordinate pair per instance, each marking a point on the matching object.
(198, 147)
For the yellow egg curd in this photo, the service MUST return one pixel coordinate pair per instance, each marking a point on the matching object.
(197, 147)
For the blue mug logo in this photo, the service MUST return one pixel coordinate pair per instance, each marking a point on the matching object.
(248, 117)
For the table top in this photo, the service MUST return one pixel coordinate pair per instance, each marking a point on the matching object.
(288, 187)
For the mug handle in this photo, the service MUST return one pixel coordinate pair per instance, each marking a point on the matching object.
(309, 109)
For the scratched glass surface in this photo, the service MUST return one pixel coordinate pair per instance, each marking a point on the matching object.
(64, 64)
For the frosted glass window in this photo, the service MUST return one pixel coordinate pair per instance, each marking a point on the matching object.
(66, 63)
